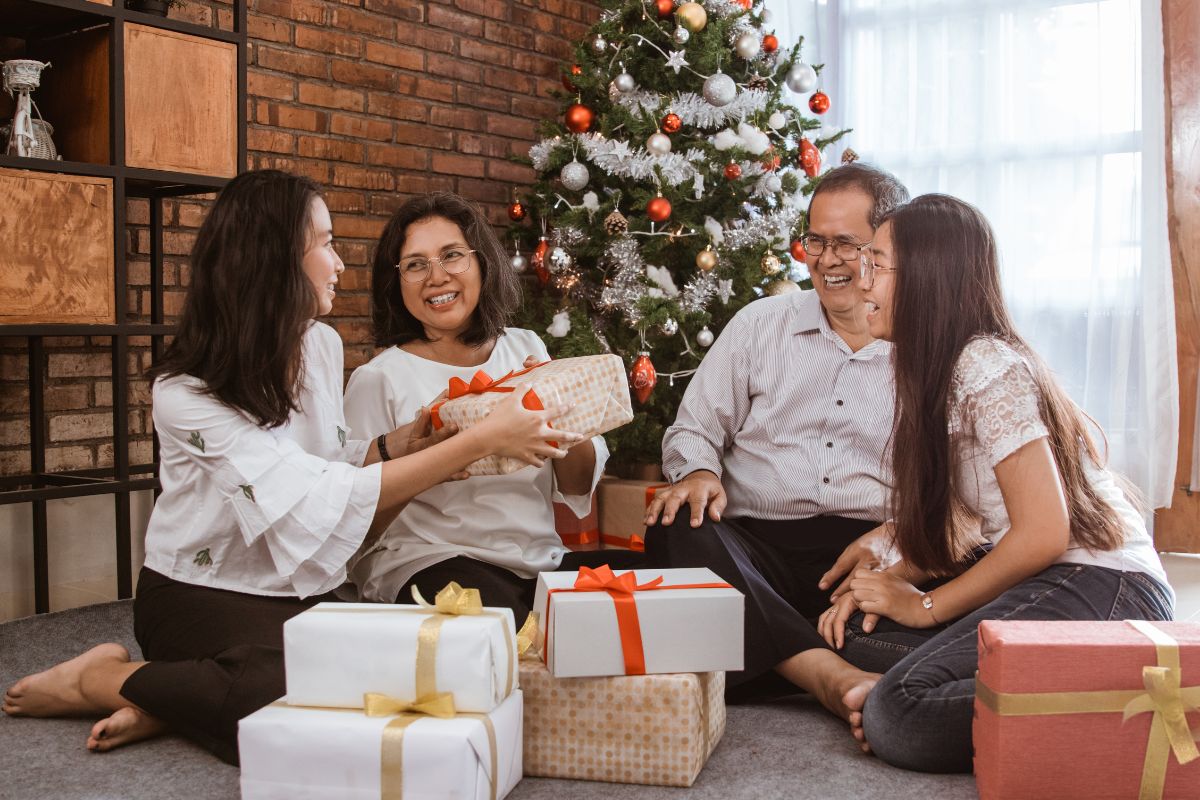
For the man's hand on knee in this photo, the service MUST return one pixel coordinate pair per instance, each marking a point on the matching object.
(701, 489)
(872, 550)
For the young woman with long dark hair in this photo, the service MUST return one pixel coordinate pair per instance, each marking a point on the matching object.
(265, 494)
(987, 444)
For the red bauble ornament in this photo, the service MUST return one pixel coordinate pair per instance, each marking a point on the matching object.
(517, 211)
(539, 261)
(733, 171)
(671, 123)
(745, 4)
(770, 44)
(818, 103)
(658, 209)
(579, 118)
(566, 81)
(642, 377)
(665, 8)
(810, 158)
(797, 250)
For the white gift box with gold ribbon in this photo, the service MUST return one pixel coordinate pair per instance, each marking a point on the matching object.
(334, 653)
(294, 753)
(597, 622)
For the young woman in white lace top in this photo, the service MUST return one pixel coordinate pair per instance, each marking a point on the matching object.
(991, 458)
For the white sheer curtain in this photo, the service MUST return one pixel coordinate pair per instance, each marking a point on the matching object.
(1047, 115)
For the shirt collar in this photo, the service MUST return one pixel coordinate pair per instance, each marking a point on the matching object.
(808, 317)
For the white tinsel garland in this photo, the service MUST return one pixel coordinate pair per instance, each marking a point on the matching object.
(696, 112)
(698, 292)
(762, 229)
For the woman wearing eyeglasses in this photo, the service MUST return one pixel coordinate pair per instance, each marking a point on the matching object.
(442, 292)
(986, 442)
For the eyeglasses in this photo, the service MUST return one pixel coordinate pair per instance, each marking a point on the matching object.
(847, 251)
(416, 270)
(868, 270)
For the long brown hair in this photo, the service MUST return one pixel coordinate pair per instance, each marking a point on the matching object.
(947, 291)
(243, 322)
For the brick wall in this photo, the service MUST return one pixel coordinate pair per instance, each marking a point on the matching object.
(375, 99)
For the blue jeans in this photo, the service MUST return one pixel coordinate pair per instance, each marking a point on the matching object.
(919, 715)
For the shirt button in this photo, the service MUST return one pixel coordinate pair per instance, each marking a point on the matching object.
(829, 444)
(824, 480)
(840, 403)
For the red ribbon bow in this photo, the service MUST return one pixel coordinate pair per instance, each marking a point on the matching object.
(621, 589)
(482, 383)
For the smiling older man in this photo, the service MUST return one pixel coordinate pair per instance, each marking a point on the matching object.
(781, 438)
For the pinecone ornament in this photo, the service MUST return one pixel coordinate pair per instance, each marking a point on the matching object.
(757, 82)
(849, 156)
(616, 224)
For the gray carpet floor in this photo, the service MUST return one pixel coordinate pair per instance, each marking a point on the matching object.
(790, 749)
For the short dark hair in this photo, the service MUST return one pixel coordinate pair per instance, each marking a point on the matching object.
(499, 294)
(243, 322)
(885, 191)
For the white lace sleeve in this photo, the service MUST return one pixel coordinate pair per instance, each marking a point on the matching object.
(995, 399)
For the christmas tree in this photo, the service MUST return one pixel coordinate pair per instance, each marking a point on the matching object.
(669, 194)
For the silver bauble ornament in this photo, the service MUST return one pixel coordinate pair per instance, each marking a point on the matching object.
(774, 184)
(747, 45)
(801, 78)
(766, 16)
(624, 83)
(519, 262)
(705, 337)
(669, 327)
(559, 259)
(574, 176)
(681, 35)
(599, 45)
(659, 144)
(777, 120)
(719, 90)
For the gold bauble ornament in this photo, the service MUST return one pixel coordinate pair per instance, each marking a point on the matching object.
(692, 16)
(782, 286)
(706, 260)
(770, 264)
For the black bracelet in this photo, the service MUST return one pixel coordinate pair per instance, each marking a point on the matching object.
(381, 443)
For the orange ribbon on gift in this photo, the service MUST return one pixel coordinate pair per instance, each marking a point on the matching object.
(482, 383)
(621, 589)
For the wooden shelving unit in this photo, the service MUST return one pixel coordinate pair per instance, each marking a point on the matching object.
(143, 106)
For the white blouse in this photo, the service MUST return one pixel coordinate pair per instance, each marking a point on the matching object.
(262, 511)
(993, 413)
(506, 520)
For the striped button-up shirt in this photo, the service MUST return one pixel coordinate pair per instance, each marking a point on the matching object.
(793, 421)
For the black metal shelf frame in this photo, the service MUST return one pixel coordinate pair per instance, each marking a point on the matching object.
(41, 19)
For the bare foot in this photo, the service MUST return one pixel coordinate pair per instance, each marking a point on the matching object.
(56, 692)
(854, 699)
(126, 725)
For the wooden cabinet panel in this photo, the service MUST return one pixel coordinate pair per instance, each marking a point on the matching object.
(74, 94)
(1177, 529)
(56, 248)
(180, 102)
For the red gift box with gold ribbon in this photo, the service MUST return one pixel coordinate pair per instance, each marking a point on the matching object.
(599, 622)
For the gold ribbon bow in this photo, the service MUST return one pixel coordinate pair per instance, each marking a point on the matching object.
(452, 599)
(1164, 696)
(527, 637)
(382, 705)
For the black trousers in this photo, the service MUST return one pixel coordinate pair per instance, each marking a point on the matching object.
(214, 656)
(776, 564)
(502, 588)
